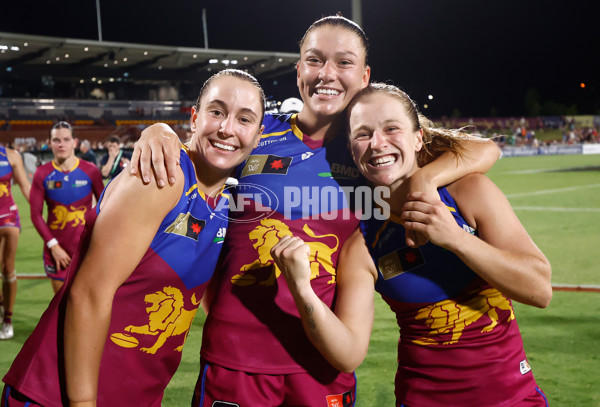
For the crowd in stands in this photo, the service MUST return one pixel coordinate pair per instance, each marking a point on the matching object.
(128, 122)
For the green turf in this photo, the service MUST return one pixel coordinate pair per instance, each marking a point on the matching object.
(561, 341)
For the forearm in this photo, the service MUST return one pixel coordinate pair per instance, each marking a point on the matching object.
(479, 156)
(524, 277)
(338, 344)
(86, 326)
(40, 225)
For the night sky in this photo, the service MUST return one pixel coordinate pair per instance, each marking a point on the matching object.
(476, 57)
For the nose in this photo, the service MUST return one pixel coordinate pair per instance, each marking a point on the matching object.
(378, 141)
(327, 72)
(227, 126)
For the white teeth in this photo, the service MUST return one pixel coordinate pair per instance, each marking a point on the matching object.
(383, 161)
(331, 92)
(222, 146)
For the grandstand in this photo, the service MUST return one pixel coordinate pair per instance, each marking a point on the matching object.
(104, 88)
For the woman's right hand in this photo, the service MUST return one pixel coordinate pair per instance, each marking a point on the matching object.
(158, 150)
(291, 256)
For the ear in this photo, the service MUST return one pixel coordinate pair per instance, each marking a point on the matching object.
(193, 119)
(260, 132)
(366, 77)
(419, 136)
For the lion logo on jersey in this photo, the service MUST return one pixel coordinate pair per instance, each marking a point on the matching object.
(450, 317)
(266, 235)
(64, 215)
(166, 317)
(3, 189)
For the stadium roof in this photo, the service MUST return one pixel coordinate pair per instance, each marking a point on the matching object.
(75, 60)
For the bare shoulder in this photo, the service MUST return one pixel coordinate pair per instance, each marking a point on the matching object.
(471, 186)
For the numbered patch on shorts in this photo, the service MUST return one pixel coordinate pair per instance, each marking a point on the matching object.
(50, 269)
(219, 403)
(339, 400)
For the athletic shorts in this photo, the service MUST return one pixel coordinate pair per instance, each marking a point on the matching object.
(50, 267)
(536, 398)
(10, 219)
(12, 398)
(221, 387)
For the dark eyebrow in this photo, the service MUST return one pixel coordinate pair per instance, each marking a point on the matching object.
(223, 105)
(337, 54)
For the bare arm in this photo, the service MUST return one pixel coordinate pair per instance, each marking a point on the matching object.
(113, 254)
(19, 174)
(157, 149)
(341, 337)
(479, 156)
(503, 254)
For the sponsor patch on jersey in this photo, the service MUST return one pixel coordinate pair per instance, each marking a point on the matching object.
(219, 403)
(81, 182)
(524, 367)
(339, 400)
(54, 184)
(266, 164)
(399, 261)
(4, 163)
(186, 225)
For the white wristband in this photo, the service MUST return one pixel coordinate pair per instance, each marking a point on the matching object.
(51, 242)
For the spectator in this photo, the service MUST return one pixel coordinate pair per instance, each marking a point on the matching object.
(87, 153)
(115, 160)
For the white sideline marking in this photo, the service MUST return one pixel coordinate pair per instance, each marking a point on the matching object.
(552, 191)
(554, 209)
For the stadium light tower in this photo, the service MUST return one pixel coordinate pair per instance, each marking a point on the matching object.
(357, 11)
(99, 19)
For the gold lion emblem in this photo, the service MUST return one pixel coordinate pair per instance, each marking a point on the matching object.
(166, 317)
(3, 189)
(266, 235)
(64, 215)
(450, 317)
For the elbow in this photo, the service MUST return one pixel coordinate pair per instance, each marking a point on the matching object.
(347, 363)
(544, 292)
(347, 366)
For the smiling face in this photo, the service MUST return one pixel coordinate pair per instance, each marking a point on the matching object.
(62, 143)
(331, 70)
(383, 140)
(226, 126)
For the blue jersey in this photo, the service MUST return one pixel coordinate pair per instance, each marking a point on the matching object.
(151, 314)
(293, 187)
(460, 343)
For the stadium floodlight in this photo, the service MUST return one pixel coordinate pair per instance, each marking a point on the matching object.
(213, 61)
(430, 97)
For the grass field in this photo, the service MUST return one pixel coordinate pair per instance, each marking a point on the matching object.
(557, 198)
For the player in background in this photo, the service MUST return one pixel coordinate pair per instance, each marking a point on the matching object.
(131, 301)
(11, 168)
(67, 185)
(459, 340)
(254, 350)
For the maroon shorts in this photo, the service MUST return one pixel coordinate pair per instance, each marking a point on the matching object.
(12, 398)
(536, 398)
(50, 267)
(221, 387)
(10, 219)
